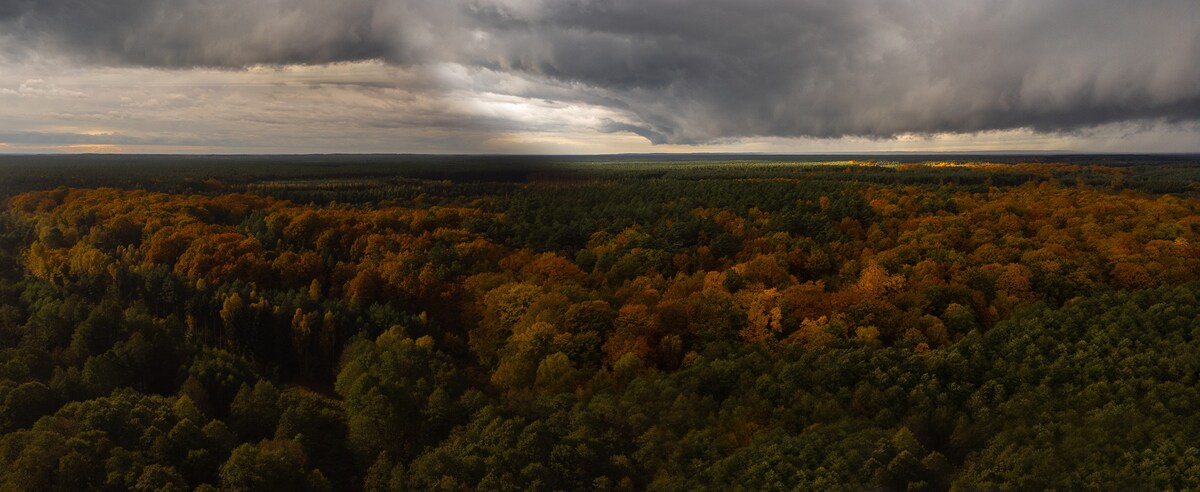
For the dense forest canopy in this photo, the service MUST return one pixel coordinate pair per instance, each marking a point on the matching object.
(663, 325)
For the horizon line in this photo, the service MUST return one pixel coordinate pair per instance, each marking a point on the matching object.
(613, 154)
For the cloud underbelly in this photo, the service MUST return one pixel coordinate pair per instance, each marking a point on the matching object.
(691, 72)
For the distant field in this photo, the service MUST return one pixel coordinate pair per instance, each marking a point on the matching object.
(1153, 173)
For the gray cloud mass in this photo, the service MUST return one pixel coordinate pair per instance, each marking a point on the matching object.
(701, 70)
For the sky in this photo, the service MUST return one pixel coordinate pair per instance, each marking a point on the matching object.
(598, 76)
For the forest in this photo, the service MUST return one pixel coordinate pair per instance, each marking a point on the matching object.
(460, 323)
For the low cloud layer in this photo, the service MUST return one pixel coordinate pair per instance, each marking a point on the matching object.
(683, 72)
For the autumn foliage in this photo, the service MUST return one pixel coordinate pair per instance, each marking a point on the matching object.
(406, 329)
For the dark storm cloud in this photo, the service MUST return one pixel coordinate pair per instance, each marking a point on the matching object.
(217, 33)
(702, 70)
(694, 71)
